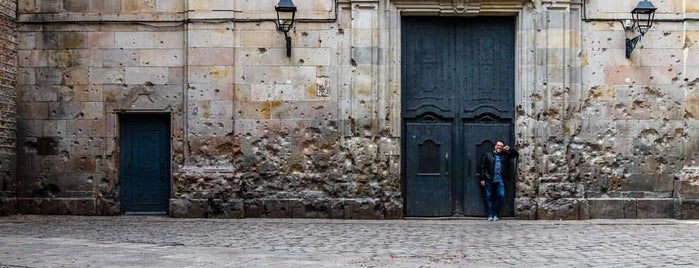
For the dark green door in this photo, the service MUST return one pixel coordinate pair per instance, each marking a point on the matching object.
(144, 163)
(457, 93)
(429, 191)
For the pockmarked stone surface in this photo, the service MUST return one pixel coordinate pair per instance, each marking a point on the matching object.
(255, 133)
(8, 107)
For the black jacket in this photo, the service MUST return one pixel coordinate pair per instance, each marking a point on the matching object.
(488, 165)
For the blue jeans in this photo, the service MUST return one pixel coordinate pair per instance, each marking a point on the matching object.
(493, 204)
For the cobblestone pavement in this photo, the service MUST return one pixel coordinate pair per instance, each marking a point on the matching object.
(134, 241)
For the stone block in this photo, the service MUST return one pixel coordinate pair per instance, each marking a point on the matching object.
(72, 40)
(107, 207)
(687, 209)
(76, 6)
(133, 40)
(162, 57)
(525, 208)
(275, 208)
(210, 92)
(227, 209)
(104, 6)
(559, 209)
(106, 75)
(628, 75)
(51, 206)
(654, 208)
(8, 206)
(49, 6)
(393, 211)
(363, 209)
(253, 208)
(607, 208)
(315, 208)
(145, 75)
(687, 183)
(211, 56)
(188, 208)
(630, 208)
(210, 74)
(119, 58)
(336, 208)
(688, 189)
(28, 206)
(297, 208)
(640, 182)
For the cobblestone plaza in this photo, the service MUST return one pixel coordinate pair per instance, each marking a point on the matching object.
(69, 241)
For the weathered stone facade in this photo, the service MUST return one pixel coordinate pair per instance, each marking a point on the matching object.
(317, 134)
(8, 96)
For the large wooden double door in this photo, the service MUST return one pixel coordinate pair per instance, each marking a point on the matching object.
(457, 100)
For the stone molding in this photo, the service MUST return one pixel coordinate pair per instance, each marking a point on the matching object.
(459, 7)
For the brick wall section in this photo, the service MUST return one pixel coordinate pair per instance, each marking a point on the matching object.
(8, 122)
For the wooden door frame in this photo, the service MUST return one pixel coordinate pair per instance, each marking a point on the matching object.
(458, 206)
(167, 117)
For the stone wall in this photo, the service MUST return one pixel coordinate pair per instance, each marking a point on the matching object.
(603, 136)
(8, 121)
(317, 134)
(254, 133)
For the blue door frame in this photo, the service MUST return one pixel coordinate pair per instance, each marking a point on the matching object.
(144, 163)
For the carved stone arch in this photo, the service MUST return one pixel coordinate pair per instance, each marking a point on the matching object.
(459, 7)
(143, 97)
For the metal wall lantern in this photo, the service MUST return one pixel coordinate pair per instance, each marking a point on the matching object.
(286, 13)
(643, 16)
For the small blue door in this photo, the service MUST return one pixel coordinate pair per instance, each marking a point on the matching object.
(144, 163)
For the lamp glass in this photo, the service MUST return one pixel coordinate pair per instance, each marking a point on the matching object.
(286, 13)
(643, 16)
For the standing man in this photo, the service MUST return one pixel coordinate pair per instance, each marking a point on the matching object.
(495, 171)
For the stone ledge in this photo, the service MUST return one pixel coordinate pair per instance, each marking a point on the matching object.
(8, 206)
(613, 208)
(631, 208)
(283, 208)
(57, 206)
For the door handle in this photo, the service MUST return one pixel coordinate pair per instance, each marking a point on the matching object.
(446, 160)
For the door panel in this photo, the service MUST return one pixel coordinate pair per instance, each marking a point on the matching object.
(431, 75)
(487, 87)
(428, 187)
(144, 163)
(460, 72)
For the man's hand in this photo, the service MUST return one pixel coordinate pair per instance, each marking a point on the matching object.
(506, 148)
(482, 183)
